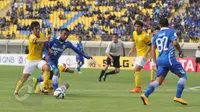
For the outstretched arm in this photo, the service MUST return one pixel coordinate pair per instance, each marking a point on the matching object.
(69, 45)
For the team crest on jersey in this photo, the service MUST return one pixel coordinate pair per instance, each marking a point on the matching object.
(63, 46)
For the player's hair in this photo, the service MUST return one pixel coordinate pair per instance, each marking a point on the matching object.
(115, 35)
(164, 22)
(157, 28)
(80, 37)
(138, 22)
(65, 29)
(34, 24)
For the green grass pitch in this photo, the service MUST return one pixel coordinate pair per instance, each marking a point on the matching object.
(87, 95)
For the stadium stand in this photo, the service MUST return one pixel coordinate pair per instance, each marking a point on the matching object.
(98, 19)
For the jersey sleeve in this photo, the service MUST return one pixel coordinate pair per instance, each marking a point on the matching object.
(69, 45)
(45, 50)
(147, 40)
(32, 38)
(154, 41)
(108, 48)
(173, 35)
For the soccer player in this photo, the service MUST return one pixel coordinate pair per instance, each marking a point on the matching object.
(157, 29)
(197, 58)
(34, 58)
(39, 81)
(113, 51)
(166, 42)
(53, 51)
(79, 58)
(142, 43)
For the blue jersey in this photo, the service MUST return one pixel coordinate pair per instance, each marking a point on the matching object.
(58, 46)
(166, 59)
(79, 46)
(163, 41)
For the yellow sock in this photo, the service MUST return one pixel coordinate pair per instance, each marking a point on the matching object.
(19, 85)
(153, 74)
(137, 79)
(46, 78)
(37, 88)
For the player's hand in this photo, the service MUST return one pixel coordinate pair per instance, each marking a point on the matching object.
(51, 51)
(47, 59)
(180, 54)
(48, 38)
(112, 60)
(130, 53)
(154, 66)
(91, 57)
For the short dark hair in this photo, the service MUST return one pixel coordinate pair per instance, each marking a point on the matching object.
(115, 35)
(65, 29)
(80, 37)
(138, 22)
(164, 22)
(34, 24)
(157, 28)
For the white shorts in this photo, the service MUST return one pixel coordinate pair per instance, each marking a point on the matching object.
(31, 65)
(139, 60)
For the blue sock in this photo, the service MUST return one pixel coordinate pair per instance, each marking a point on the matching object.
(55, 82)
(78, 68)
(40, 79)
(151, 88)
(180, 87)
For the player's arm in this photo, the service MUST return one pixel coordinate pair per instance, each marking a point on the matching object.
(46, 51)
(173, 38)
(148, 42)
(123, 49)
(69, 45)
(108, 52)
(35, 40)
(132, 50)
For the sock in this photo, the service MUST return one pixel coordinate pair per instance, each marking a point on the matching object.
(19, 85)
(78, 68)
(40, 79)
(180, 87)
(55, 82)
(111, 73)
(152, 74)
(137, 79)
(151, 88)
(102, 73)
(46, 78)
(196, 67)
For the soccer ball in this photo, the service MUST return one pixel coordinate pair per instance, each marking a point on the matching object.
(59, 93)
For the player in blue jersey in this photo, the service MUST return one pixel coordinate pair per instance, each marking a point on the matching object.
(79, 58)
(53, 51)
(166, 42)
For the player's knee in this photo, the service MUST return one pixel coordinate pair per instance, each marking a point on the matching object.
(183, 76)
(46, 67)
(25, 77)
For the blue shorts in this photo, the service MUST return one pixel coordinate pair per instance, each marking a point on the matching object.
(174, 67)
(53, 64)
(79, 59)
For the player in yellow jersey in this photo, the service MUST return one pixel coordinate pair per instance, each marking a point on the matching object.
(39, 81)
(142, 43)
(34, 59)
(153, 71)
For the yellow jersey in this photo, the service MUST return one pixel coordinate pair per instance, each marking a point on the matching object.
(141, 42)
(35, 49)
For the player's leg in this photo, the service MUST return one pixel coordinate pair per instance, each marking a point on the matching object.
(104, 69)
(64, 87)
(116, 64)
(180, 72)
(46, 74)
(28, 68)
(139, 64)
(160, 76)
(80, 64)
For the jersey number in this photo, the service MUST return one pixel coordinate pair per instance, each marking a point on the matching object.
(162, 44)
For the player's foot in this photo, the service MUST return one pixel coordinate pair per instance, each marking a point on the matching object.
(99, 79)
(34, 83)
(45, 91)
(104, 78)
(136, 90)
(164, 82)
(180, 100)
(144, 99)
(79, 72)
(16, 94)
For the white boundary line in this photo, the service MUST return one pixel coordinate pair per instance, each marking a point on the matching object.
(196, 88)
